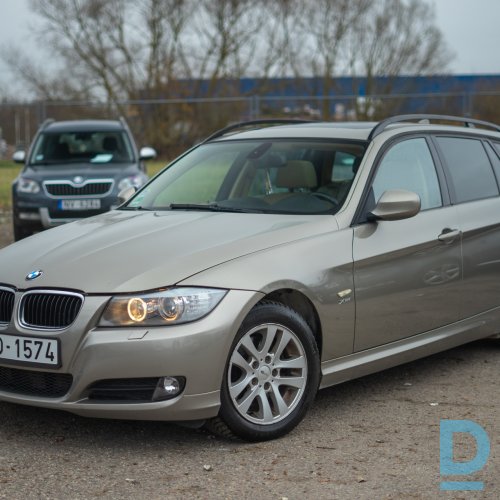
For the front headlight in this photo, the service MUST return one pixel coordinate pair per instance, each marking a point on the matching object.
(167, 307)
(27, 186)
(135, 181)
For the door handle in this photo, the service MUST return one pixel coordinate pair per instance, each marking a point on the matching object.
(449, 235)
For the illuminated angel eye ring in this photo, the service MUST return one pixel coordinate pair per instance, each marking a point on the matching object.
(137, 309)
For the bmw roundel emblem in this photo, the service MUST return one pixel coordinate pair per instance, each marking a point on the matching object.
(34, 275)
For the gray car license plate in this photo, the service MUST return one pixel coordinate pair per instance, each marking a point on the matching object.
(31, 350)
(79, 204)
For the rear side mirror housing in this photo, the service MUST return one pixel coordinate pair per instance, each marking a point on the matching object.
(396, 204)
(147, 153)
(19, 156)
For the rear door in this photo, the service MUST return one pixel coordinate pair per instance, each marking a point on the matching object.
(474, 189)
(407, 273)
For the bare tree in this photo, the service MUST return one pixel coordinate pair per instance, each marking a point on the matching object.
(223, 39)
(283, 37)
(328, 24)
(120, 51)
(396, 37)
(114, 47)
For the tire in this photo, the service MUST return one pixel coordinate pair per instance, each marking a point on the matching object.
(20, 232)
(271, 376)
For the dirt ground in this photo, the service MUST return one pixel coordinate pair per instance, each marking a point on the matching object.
(372, 438)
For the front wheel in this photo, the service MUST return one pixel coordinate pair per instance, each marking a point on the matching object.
(272, 374)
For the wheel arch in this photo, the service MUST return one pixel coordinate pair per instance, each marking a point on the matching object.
(302, 305)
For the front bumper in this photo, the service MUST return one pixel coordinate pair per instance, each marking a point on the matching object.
(197, 351)
(44, 214)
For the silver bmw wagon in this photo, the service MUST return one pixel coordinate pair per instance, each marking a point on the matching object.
(269, 261)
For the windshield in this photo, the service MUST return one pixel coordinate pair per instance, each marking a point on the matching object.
(278, 176)
(88, 147)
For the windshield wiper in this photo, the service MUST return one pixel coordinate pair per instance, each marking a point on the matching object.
(136, 208)
(211, 207)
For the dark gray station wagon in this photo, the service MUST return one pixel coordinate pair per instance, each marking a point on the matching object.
(267, 262)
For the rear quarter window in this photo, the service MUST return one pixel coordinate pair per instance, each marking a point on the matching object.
(469, 168)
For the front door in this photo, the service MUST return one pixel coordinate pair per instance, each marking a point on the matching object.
(407, 273)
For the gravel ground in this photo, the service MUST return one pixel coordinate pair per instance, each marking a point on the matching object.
(373, 438)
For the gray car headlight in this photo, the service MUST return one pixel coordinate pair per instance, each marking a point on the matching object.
(28, 186)
(166, 307)
(135, 181)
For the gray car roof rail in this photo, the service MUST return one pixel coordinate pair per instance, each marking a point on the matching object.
(124, 122)
(254, 124)
(467, 122)
(46, 123)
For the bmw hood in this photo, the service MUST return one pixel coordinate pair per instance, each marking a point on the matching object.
(123, 251)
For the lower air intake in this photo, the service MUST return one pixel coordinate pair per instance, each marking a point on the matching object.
(32, 383)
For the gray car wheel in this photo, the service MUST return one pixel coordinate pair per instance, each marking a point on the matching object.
(272, 374)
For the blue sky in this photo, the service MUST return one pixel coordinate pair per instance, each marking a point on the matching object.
(471, 28)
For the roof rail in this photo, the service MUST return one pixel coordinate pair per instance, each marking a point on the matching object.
(124, 123)
(46, 123)
(254, 124)
(468, 122)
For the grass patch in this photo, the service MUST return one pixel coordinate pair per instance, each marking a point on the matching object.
(9, 171)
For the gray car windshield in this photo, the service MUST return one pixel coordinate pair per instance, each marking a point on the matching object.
(275, 176)
(75, 147)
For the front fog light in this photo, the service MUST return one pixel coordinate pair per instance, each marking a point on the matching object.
(168, 388)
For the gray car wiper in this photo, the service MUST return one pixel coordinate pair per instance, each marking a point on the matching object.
(211, 207)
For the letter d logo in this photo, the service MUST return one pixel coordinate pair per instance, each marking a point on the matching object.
(448, 467)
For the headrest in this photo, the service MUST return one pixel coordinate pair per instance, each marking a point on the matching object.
(297, 174)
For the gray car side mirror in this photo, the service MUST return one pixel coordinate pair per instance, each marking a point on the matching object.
(19, 156)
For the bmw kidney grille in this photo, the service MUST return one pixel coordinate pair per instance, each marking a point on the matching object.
(53, 310)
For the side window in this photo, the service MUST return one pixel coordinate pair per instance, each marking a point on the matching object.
(470, 168)
(409, 165)
(495, 157)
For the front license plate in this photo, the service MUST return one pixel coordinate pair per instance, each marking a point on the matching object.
(33, 350)
(79, 204)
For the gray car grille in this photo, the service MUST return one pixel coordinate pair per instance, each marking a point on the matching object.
(50, 310)
(91, 188)
(6, 305)
(33, 383)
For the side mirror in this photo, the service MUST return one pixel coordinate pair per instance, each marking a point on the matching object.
(396, 204)
(19, 156)
(125, 194)
(147, 153)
